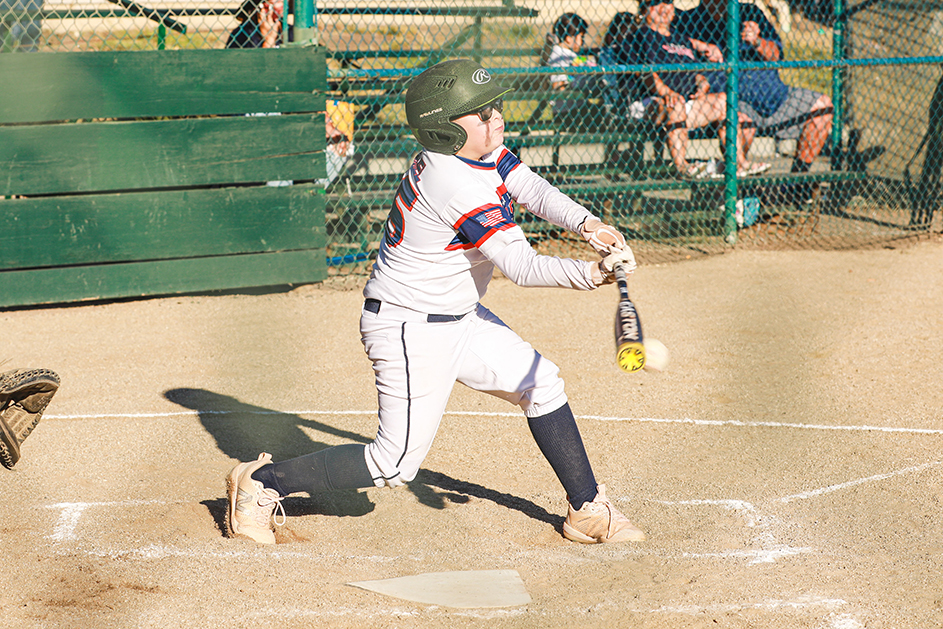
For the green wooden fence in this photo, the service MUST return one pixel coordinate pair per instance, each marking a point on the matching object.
(143, 173)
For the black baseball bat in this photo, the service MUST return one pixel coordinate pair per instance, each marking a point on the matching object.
(630, 350)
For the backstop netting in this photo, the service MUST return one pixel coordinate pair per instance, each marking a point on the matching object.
(587, 112)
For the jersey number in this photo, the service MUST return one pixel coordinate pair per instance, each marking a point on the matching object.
(403, 201)
(395, 223)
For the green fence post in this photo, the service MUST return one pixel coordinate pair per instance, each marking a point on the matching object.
(733, 122)
(161, 36)
(838, 87)
(305, 31)
(476, 42)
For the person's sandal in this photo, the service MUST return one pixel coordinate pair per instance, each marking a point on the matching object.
(753, 168)
(695, 172)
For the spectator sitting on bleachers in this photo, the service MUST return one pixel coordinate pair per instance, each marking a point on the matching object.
(795, 112)
(625, 94)
(260, 24)
(621, 93)
(339, 128)
(689, 101)
(564, 45)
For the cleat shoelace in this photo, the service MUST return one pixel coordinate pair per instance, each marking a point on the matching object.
(270, 501)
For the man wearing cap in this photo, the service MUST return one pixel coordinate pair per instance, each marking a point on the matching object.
(794, 112)
(688, 98)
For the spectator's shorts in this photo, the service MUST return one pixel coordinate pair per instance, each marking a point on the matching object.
(798, 103)
(649, 108)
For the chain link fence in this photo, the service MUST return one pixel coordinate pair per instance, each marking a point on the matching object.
(816, 124)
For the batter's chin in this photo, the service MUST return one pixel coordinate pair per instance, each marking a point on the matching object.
(498, 137)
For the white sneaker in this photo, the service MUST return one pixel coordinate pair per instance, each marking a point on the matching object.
(251, 504)
(599, 521)
(753, 168)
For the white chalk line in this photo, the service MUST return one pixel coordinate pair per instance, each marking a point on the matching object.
(846, 621)
(799, 603)
(155, 551)
(368, 614)
(338, 612)
(72, 512)
(347, 612)
(741, 424)
(770, 550)
(860, 481)
(769, 605)
(649, 420)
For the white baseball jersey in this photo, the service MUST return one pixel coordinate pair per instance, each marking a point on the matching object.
(452, 221)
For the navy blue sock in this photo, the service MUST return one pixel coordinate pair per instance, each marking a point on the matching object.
(266, 476)
(559, 440)
(339, 467)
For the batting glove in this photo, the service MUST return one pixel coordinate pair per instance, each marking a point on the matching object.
(605, 239)
(603, 272)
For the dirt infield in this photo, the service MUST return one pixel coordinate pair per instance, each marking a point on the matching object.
(787, 467)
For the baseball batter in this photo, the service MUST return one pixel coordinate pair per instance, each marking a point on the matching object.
(424, 329)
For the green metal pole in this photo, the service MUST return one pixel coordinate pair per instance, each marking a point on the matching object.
(161, 36)
(305, 31)
(476, 42)
(733, 121)
(838, 86)
(283, 36)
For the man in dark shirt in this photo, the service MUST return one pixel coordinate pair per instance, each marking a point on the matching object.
(688, 98)
(796, 112)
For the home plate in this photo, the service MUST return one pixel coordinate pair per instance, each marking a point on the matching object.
(472, 588)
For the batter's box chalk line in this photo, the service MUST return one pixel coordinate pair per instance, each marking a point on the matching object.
(694, 422)
(71, 513)
(770, 550)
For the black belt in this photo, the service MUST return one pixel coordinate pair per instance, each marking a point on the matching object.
(373, 305)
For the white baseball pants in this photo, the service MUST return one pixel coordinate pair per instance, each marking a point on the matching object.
(416, 365)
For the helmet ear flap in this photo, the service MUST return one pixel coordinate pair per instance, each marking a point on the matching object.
(447, 138)
(456, 135)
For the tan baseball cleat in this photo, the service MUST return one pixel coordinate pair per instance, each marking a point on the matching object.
(599, 521)
(251, 505)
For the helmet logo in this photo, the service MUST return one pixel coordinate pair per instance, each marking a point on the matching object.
(480, 77)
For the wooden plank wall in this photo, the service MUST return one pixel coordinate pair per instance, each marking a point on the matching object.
(146, 173)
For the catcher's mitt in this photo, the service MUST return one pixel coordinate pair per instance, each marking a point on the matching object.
(24, 394)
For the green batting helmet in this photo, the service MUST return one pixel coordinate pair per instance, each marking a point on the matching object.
(444, 92)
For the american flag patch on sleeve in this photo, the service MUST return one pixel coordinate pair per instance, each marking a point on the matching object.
(477, 226)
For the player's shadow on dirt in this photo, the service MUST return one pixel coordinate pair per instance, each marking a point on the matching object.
(243, 430)
(428, 479)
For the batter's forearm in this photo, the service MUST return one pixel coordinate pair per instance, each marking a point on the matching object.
(523, 266)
